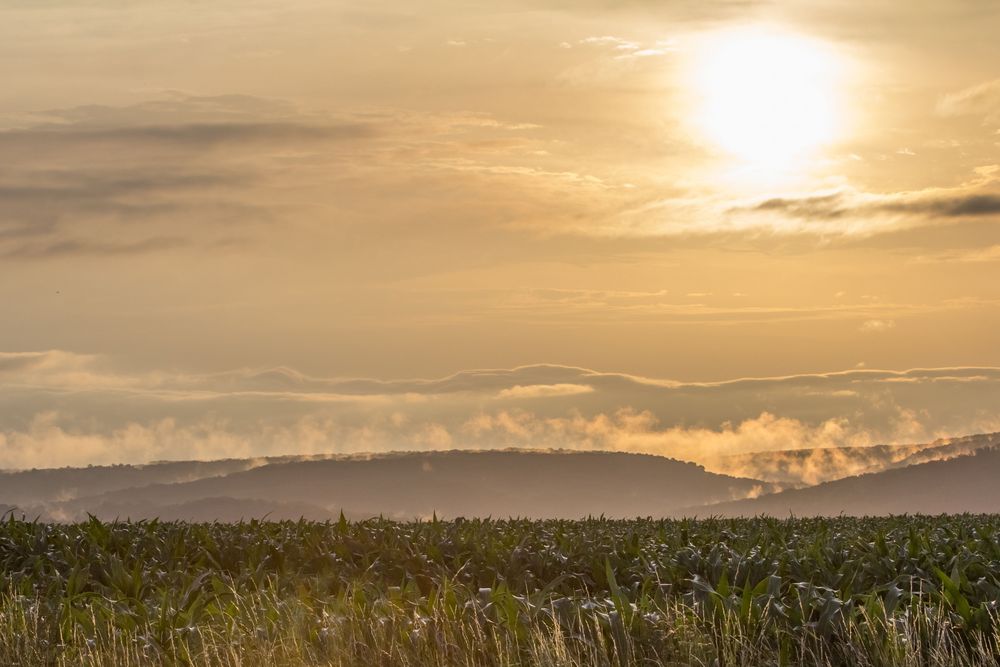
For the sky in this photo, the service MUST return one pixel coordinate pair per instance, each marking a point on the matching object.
(243, 228)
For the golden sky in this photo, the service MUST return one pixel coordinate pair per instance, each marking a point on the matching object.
(695, 192)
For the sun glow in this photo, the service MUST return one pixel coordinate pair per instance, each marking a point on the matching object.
(764, 96)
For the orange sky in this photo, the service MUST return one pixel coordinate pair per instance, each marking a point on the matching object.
(691, 191)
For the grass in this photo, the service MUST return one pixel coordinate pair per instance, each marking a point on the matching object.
(890, 591)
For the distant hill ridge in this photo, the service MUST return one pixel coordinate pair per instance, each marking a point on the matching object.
(406, 485)
(967, 483)
(806, 467)
(953, 475)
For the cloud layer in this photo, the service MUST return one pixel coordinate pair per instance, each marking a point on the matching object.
(70, 409)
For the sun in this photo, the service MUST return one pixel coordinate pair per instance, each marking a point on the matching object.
(765, 96)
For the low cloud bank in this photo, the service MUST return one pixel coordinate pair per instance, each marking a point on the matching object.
(66, 409)
(767, 447)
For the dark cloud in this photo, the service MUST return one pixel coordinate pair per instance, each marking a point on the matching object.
(65, 213)
(826, 207)
(956, 207)
(839, 205)
(83, 187)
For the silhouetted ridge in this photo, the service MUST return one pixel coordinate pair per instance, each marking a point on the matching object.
(409, 485)
(966, 483)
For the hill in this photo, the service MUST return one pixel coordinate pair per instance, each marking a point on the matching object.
(29, 487)
(963, 484)
(805, 467)
(458, 483)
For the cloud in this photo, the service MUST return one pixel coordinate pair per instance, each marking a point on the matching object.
(189, 173)
(54, 197)
(240, 170)
(847, 212)
(947, 207)
(625, 49)
(62, 408)
(19, 362)
(843, 213)
(877, 326)
(180, 123)
(838, 205)
(699, 307)
(823, 206)
(200, 136)
(64, 370)
(544, 390)
(48, 439)
(981, 99)
(610, 40)
(177, 173)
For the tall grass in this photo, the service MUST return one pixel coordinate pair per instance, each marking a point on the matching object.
(355, 630)
(901, 591)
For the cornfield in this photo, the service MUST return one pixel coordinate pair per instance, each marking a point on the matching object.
(841, 591)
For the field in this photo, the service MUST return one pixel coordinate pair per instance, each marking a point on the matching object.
(844, 591)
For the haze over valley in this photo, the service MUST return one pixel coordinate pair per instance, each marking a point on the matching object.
(956, 476)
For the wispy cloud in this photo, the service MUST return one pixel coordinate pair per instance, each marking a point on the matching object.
(877, 326)
(544, 390)
(155, 176)
(981, 99)
(625, 49)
